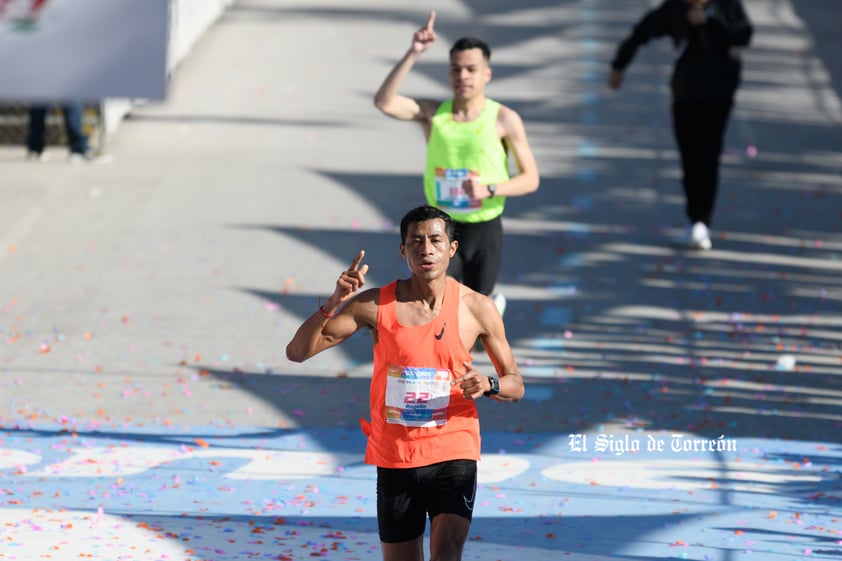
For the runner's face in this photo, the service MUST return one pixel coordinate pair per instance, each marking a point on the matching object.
(427, 249)
(469, 73)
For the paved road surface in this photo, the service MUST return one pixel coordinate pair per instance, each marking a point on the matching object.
(148, 411)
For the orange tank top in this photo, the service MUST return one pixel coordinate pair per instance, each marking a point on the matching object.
(417, 418)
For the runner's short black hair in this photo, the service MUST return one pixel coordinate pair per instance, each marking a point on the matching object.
(424, 213)
(468, 43)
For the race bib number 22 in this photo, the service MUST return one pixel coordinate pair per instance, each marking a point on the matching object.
(417, 397)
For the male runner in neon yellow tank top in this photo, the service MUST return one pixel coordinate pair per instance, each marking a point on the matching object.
(469, 138)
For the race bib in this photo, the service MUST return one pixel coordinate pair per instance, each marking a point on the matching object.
(417, 397)
(449, 193)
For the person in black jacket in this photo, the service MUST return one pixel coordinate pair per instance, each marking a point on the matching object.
(707, 35)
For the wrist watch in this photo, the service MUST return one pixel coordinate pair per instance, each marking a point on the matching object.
(495, 387)
(492, 190)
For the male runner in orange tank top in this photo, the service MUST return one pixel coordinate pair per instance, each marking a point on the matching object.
(424, 430)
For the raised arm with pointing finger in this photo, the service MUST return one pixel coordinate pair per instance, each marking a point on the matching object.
(387, 98)
(317, 333)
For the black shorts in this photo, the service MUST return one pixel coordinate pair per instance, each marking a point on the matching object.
(406, 496)
(479, 257)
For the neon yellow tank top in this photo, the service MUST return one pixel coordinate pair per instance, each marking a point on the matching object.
(457, 150)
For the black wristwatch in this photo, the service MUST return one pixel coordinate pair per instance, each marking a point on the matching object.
(492, 190)
(495, 387)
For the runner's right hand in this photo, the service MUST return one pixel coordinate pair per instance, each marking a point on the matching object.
(424, 37)
(351, 280)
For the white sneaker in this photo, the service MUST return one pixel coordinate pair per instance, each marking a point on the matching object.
(500, 302)
(699, 237)
(36, 156)
(88, 158)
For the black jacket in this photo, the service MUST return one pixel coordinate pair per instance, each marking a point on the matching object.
(707, 67)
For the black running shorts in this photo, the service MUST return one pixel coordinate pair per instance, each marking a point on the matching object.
(406, 496)
(479, 257)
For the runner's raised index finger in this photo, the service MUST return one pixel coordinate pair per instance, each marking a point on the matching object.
(431, 20)
(356, 262)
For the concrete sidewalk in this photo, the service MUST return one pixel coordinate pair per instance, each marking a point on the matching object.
(148, 411)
